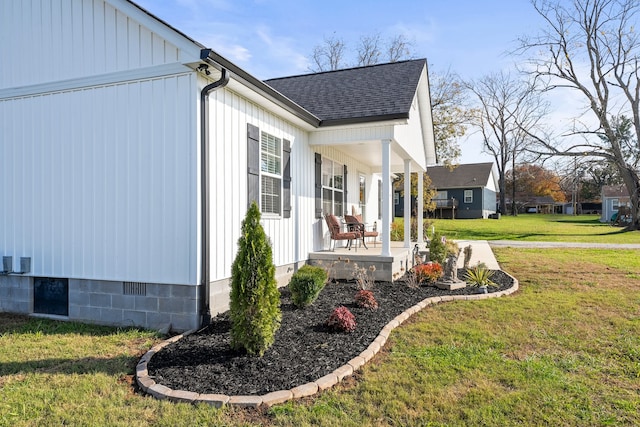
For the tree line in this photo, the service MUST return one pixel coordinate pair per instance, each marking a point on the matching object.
(586, 49)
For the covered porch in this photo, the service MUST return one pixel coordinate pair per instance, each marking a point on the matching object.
(374, 138)
(342, 262)
(380, 152)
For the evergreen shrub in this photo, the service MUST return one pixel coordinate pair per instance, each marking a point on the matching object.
(306, 284)
(437, 249)
(255, 300)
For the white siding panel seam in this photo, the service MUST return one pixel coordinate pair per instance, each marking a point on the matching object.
(83, 38)
(158, 71)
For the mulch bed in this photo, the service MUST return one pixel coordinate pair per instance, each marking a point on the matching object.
(305, 349)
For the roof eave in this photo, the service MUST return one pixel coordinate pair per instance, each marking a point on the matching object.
(367, 119)
(262, 88)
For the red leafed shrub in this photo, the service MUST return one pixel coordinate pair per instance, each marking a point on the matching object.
(429, 272)
(365, 299)
(342, 320)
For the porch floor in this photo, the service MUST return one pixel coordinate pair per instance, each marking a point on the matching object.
(341, 262)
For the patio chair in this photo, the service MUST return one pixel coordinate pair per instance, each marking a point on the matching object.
(356, 224)
(336, 234)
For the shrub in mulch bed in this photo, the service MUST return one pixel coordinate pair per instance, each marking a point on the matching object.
(305, 348)
(342, 320)
(365, 299)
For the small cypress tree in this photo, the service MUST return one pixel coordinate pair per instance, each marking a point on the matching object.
(255, 300)
(437, 249)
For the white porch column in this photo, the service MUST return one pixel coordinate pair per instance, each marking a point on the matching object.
(407, 203)
(420, 209)
(386, 194)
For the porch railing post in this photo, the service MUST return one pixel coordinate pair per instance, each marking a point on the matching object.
(386, 195)
(407, 203)
(420, 213)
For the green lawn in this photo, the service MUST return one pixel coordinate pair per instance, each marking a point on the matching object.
(536, 227)
(563, 351)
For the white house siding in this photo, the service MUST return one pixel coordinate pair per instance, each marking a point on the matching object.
(352, 134)
(291, 238)
(99, 161)
(410, 136)
(99, 183)
(100, 188)
(79, 38)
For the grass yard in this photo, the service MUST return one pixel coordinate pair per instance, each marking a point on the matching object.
(564, 351)
(536, 227)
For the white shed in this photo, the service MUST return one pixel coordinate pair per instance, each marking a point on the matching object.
(128, 160)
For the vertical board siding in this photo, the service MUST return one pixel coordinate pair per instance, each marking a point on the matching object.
(74, 38)
(100, 183)
(291, 238)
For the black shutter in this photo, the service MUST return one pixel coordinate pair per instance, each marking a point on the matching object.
(286, 179)
(344, 191)
(253, 164)
(318, 171)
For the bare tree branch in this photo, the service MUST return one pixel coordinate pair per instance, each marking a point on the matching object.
(592, 46)
(369, 50)
(328, 56)
(509, 109)
(399, 48)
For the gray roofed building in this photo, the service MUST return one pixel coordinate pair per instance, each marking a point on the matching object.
(355, 95)
(613, 197)
(469, 175)
(466, 191)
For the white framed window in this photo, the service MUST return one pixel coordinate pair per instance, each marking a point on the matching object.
(332, 187)
(468, 196)
(441, 195)
(270, 174)
(396, 198)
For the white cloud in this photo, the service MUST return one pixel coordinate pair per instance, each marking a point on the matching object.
(235, 53)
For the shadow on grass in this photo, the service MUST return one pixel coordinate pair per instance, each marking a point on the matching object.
(530, 236)
(20, 324)
(117, 365)
(573, 220)
(23, 324)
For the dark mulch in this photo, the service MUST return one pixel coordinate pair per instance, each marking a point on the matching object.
(304, 349)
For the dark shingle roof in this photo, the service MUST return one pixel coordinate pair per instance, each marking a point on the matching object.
(376, 92)
(469, 175)
(615, 191)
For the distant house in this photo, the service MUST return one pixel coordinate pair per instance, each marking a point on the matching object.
(467, 191)
(539, 204)
(613, 196)
(130, 154)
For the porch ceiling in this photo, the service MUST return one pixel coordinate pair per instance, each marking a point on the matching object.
(370, 154)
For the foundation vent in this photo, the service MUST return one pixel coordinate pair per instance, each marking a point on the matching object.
(134, 288)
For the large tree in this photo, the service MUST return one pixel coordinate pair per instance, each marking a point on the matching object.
(507, 106)
(451, 114)
(329, 55)
(371, 49)
(592, 48)
(534, 181)
(447, 91)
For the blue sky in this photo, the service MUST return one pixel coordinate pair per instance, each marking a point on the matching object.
(274, 38)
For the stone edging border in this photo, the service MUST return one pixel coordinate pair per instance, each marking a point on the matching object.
(161, 392)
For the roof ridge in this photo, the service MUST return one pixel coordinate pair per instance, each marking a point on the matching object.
(424, 60)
